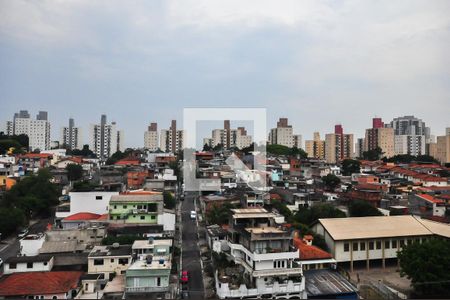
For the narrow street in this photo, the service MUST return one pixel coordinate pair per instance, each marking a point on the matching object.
(10, 247)
(190, 251)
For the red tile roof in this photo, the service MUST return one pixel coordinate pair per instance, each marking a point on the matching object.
(310, 252)
(430, 198)
(82, 216)
(38, 283)
(128, 162)
(36, 155)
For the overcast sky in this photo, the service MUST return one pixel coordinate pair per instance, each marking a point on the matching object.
(315, 62)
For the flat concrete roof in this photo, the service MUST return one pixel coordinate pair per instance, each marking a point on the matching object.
(259, 230)
(373, 227)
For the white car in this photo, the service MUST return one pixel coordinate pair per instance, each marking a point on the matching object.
(22, 233)
(193, 215)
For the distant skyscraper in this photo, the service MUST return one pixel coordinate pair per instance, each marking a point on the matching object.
(105, 139)
(443, 147)
(283, 135)
(38, 131)
(380, 137)
(411, 135)
(151, 137)
(338, 146)
(71, 136)
(228, 137)
(316, 147)
(359, 148)
(172, 140)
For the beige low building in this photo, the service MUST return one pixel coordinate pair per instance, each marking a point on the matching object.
(443, 148)
(370, 239)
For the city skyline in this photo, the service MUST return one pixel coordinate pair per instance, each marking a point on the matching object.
(338, 63)
(202, 131)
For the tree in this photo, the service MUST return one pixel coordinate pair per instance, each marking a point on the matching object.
(281, 207)
(218, 147)
(34, 194)
(74, 172)
(427, 265)
(169, 200)
(11, 218)
(350, 166)
(324, 210)
(358, 208)
(85, 152)
(207, 147)
(285, 150)
(331, 181)
(249, 149)
(219, 214)
(373, 154)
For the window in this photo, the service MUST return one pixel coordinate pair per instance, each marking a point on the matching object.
(123, 261)
(394, 243)
(139, 207)
(45, 263)
(387, 244)
(362, 246)
(158, 281)
(355, 246)
(13, 266)
(142, 217)
(124, 206)
(346, 247)
(378, 244)
(98, 197)
(153, 217)
(30, 265)
(112, 260)
(409, 241)
(98, 262)
(370, 245)
(402, 243)
(115, 206)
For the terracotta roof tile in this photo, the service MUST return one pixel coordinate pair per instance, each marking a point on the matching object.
(38, 283)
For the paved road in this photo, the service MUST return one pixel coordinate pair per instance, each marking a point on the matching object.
(191, 253)
(11, 246)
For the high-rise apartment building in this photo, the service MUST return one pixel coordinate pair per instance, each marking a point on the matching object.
(229, 138)
(411, 135)
(151, 137)
(359, 148)
(172, 140)
(38, 131)
(315, 147)
(380, 137)
(443, 147)
(71, 136)
(338, 146)
(283, 135)
(105, 139)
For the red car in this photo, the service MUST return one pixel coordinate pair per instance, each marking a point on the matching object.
(184, 277)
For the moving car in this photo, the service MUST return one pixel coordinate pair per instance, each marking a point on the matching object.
(184, 277)
(193, 215)
(23, 233)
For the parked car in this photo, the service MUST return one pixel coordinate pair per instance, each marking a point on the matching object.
(184, 277)
(193, 215)
(23, 233)
(1, 262)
